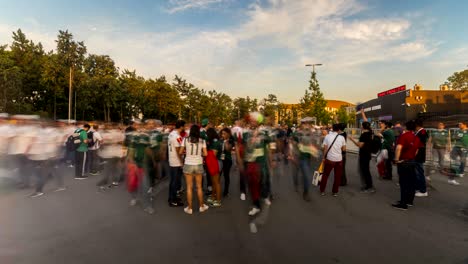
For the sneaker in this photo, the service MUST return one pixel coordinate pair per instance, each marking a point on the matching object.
(216, 204)
(37, 194)
(254, 211)
(400, 206)
(322, 194)
(94, 173)
(176, 204)
(461, 175)
(267, 201)
(71, 166)
(453, 182)
(421, 194)
(203, 208)
(209, 199)
(335, 194)
(253, 228)
(115, 184)
(102, 188)
(371, 190)
(410, 204)
(60, 189)
(81, 178)
(149, 210)
(150, 190)
(188, 210)
(242, 196)
(133, 202)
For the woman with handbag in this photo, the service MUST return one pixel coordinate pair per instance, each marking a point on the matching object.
(333, 146)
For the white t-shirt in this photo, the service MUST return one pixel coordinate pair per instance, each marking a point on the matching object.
(112, 147)
(97, 138)
(194, 151)
(334, 153)
(174, 141)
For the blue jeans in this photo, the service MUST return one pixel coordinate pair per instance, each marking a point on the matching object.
(459, 152)
(420, 178)
(306, 170)
(174, 183)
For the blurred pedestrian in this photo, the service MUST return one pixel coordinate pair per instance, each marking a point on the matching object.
(421, 188)
(333, 146)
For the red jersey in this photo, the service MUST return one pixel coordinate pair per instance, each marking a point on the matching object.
(410, 144)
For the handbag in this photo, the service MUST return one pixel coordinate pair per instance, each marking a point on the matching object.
(317, 177)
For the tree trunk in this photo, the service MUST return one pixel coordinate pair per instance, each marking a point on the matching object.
(105, 112)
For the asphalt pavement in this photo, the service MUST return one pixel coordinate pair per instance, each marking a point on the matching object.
(83, 225)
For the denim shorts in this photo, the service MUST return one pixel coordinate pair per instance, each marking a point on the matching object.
(193, 169)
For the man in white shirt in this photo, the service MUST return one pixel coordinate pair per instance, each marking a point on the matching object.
(93, 151)
(333, 146)
(175, 163)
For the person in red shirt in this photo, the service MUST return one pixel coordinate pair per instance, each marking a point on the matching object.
(405, 155)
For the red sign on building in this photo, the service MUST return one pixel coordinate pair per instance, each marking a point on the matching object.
(392, 91)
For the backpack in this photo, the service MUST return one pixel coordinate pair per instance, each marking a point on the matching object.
(376, 144)
(90, 138)
(73, 141)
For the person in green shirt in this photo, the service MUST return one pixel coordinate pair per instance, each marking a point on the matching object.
(388, 144)
(81, 151)
(460, 149)
(439, 139)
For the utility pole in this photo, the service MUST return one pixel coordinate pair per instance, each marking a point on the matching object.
(70, 96)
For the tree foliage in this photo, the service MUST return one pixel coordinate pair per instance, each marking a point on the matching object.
(458, 81)
(313, 103)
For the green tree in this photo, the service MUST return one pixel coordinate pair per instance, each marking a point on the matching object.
(72, 54)
(342, 115)
(458, 81)
(269, 105)
(313, 103)
(10, 82)
(52, 78)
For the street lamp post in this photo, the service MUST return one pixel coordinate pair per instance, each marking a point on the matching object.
(313, 66)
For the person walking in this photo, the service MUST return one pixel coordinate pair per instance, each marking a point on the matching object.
(407, 147)
(112, 152)
(333, 146)
(460, 149)
(439, 139)
(344, 179)
(421, 188)
(194, 148)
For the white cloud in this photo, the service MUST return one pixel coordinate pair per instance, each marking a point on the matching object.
(183, 5)
(265, 52)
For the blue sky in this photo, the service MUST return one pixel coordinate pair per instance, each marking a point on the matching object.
(253, 48)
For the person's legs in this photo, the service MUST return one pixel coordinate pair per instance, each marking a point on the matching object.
(174, 175)
(403, 179)
(420, 178)
(389, 166)
(40, 171)
(80, 163)
(216, 194)
(338, 169)
(199, 180)
(189, 182)
(328, 166)
(462, 161)
(227, 164)
(306, 171)
(253, 174)
(243, 179)
(364, 163)
(344, 179)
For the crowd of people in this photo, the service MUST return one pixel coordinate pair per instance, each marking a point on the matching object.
(199, 157)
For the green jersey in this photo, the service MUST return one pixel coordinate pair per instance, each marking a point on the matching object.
(461, 138)
(439, 138)
(305, 144)
(256, 147)
(389, 139)
(83, 136)
(138, 143)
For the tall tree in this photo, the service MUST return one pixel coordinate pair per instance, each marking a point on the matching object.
(313, 103)
(10, 82)
(269, 105)
(72, 54)
(458, 81)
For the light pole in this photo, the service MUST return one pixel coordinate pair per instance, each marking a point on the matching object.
(313, 66)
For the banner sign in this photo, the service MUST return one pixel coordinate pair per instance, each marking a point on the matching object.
(392, 91)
